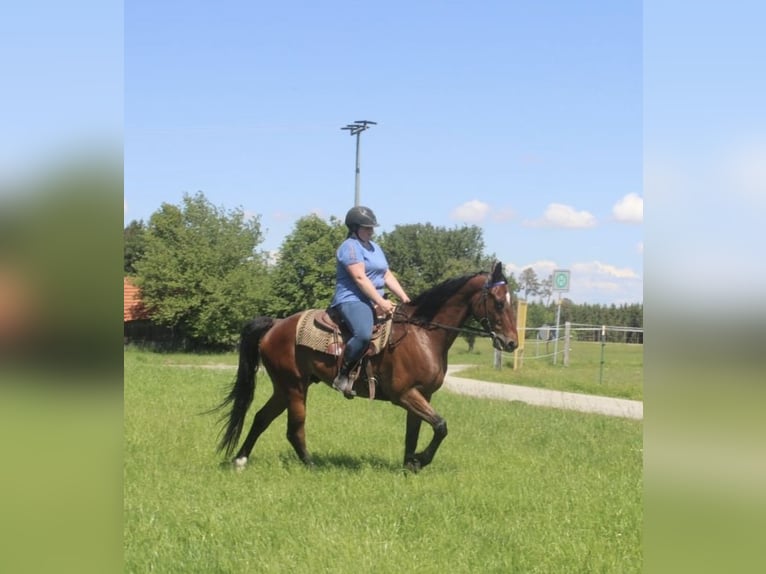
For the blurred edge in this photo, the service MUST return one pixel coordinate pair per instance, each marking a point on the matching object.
(705, 192)
(61, 177)
(61, 370)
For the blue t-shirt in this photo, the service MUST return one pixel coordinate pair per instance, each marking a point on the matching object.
(375, 266)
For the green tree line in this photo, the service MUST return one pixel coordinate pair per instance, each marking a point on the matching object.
(202, 271)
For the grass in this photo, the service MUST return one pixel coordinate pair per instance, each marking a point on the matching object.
(514, 488)
(621, 377)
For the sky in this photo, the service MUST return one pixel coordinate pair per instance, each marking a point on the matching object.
(522, 118)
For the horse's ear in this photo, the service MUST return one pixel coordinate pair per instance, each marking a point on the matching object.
(497, 272)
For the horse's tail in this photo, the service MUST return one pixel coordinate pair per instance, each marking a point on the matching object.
(241, 394)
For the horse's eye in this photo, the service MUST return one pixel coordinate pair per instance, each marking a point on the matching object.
(499, 305)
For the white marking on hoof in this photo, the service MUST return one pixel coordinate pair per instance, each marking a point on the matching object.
(240, 463)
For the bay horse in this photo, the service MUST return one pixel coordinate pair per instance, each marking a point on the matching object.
(408, 371)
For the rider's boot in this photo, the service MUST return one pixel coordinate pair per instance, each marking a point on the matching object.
(343, 383)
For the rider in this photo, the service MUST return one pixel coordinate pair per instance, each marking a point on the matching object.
(361, 273)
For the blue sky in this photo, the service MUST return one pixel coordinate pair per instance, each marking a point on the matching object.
(522, 118)
(63, 89)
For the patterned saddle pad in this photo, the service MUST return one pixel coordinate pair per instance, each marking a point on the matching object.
(310, 334)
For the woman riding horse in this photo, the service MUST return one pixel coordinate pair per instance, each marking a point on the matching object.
(361, 272)
(408, 370)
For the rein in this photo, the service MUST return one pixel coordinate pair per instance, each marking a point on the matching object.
(473, 330)
(486, 332)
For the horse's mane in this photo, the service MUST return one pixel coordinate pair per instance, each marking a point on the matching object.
(430, 301)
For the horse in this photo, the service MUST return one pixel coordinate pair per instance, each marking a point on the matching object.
(407, 371)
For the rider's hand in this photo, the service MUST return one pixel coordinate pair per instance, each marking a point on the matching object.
(387, 307)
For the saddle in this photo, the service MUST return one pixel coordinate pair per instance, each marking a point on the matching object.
(323, 330)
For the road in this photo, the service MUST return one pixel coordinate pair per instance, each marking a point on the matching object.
(543, 397)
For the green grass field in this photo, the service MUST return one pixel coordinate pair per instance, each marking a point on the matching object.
(622, 375)
(514, 488)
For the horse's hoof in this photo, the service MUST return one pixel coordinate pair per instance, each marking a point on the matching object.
(240, 463)
(413, 466)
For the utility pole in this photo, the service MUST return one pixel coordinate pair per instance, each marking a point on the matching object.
(356, 129)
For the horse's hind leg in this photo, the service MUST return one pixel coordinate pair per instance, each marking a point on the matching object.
(419, 409)
(274, 407)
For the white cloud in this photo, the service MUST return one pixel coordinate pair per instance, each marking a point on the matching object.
(542, 268)
(630, 209)
(591, 282)
(560, 215)
(473, 211)
(604, 269)
(603, 283)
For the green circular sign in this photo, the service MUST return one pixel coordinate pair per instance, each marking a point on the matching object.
(561, 280)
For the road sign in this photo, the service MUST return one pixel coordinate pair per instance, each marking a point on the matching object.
(561, 280)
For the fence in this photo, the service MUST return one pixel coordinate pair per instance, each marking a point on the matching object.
(541, 343)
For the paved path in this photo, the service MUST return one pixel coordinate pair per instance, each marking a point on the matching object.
(543, 397)
(530, 395)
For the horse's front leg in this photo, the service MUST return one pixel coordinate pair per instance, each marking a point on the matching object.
(296, 424)
(411, 440)
(419, 409)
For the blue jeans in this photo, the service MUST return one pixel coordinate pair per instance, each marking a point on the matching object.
(359, 320)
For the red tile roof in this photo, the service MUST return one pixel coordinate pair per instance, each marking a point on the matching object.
(133, 308)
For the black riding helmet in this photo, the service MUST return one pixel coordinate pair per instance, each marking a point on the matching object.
(360, 215)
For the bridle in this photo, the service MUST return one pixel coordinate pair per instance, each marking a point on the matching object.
(484, 321)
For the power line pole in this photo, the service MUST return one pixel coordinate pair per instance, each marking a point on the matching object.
(356, 129)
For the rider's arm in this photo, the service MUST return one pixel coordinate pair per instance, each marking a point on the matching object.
(393, 284)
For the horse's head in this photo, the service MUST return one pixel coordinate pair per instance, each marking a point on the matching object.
(493, 308)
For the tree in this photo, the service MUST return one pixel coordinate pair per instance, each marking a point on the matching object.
(567, 310)
(304, 277)
(134, 244)
(200, 273)
(546, 290)
(528, 282)
(539, 315)
(422, 255)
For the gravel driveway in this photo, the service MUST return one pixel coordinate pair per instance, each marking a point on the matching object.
(543, 397)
